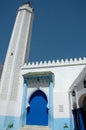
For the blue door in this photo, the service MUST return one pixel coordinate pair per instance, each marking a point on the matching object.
(37, 113)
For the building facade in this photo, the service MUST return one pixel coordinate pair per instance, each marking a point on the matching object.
(46, 95)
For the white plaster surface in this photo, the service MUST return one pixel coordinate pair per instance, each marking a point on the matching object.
(64, 76)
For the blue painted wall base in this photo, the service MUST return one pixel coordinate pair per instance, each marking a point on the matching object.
(60, 123)
(9, 120)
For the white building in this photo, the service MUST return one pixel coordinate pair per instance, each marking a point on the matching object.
(42, 96)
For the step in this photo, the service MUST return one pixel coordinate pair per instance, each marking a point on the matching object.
(34, 127)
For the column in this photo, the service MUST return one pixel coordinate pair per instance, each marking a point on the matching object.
(74, 112)
(24, 102)
(82, 127)
(51, 105)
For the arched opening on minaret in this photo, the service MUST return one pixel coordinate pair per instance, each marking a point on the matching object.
(37, 112)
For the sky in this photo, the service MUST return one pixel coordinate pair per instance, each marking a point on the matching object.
(59, 28)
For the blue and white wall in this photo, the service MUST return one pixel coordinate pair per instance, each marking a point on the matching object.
(64, 74)
(11, 84)
(16, 87)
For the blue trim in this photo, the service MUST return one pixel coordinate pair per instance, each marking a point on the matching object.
(23, 109)
(50, 114)
(39, 76)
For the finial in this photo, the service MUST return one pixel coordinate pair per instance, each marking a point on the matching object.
(26, 6)
(27, 3)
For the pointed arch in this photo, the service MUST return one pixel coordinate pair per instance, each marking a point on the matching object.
(39, 93)
(37, 113)
(34, 91)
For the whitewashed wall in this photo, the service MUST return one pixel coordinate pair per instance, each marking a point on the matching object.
(64, 75)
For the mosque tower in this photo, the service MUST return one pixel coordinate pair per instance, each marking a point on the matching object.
(17, 55)
(40, 96)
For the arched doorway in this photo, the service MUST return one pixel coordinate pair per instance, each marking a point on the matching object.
(82, 104)
(37, 113)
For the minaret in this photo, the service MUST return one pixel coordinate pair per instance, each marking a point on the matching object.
(17, 55)
(18, 51)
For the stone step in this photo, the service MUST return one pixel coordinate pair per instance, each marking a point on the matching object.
(34, 127)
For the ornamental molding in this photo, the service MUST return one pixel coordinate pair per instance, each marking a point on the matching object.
(57, 63)
(38, 82)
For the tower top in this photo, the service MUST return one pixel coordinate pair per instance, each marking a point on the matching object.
(26, 6)
(27, 3)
